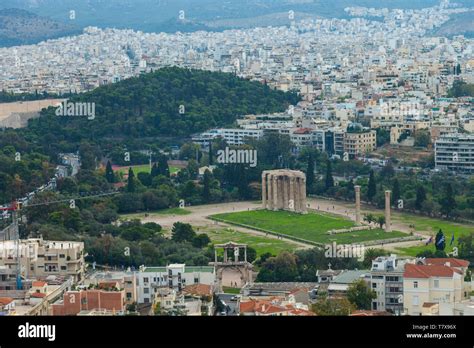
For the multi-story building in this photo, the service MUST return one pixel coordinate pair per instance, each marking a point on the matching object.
(40, 258)
(127, 280)
(387, 282)
(174, 276)
(427, 286)
(455, 152)
(75, 302)
(232, 136)
(360, 143)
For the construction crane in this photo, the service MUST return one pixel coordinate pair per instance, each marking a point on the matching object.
(15, 207)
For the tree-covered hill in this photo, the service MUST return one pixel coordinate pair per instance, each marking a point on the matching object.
(168, 102)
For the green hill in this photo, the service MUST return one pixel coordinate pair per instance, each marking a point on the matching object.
(149, 106)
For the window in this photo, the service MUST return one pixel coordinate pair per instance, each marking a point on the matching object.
(63, 268)
(436, 283)
(196, 280)
(415, 300)
(374, 285)
(62, 256)
(146, 290)
(415, 285)
(145, 280)
(129, 295)
(146, 300)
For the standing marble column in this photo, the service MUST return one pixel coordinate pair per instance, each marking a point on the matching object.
(270, 191)
(292, 192)
(388, 218)
(275, 192)
(264, 190)
(286, 200)
(304, 208)
(357, 197)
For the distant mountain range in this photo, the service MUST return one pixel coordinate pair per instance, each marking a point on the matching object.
(462, 23)
(164, 15)
(20, 27)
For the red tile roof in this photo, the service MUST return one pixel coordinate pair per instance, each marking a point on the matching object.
(428, 271)
(368, 313)
(5, 300)
(453, 262)
(198, 289)
(38, 284)
(38, 295)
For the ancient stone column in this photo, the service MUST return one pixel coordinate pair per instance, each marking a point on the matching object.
(275, 192)
(304, 208)
(286, 200)
(357, 197)
(264, 190)
(388, 222)
(292, 192)
(270, 191)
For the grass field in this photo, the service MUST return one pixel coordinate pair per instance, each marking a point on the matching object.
(170, 211)
(143, 168)
(311, 227)
(431, 226)
(261, 244)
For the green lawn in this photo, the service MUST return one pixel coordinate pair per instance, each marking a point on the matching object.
(142, 168)
(311, 227)
(261, 244)
(430, 226)
(170, 211)
(228, 290)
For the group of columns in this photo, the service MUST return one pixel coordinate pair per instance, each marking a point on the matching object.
(388, 216)
(284, 190)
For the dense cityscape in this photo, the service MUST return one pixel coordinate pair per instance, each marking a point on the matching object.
(321, 168)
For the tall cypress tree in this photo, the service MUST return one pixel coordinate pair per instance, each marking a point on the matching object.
(211, 156)
(206, 191)
(163, 167)
(329, 178)
(131, 180)
(154, 171)
(420, 197)
(310, 174)
(395, 192)
(372, 186)
(109, 173)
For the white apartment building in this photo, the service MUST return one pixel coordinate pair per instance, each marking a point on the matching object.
(40, 258)
(387, 282)
(455, 152)
(232, 136)
(173, 276)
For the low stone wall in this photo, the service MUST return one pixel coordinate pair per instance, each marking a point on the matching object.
(351, 229)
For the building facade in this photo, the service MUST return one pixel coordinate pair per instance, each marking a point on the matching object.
(174, 276)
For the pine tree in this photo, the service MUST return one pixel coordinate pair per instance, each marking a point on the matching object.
(329, 178)
(395, 192)
(310, 174)
(131, 180)
(372, 187)
(109, 173)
